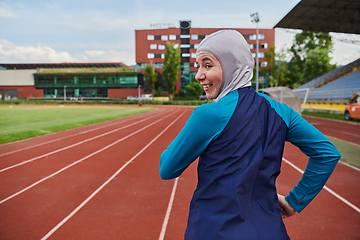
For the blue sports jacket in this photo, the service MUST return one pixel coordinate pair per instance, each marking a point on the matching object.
(240, 141)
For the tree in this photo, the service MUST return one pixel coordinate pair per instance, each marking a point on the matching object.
(314, 44)
(170, 69)
(277, 70)
(194, 89)
(271, 67)
(151, 76)
(317, 62)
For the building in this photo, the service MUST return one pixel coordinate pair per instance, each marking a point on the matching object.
(150, 47)
(109, 80)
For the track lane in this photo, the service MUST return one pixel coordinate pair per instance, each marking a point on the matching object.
(51, 166)
(75, 137)
(133, 205)
(349, 132)
(44, 210)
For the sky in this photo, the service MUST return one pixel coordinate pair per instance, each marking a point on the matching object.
(104, 30)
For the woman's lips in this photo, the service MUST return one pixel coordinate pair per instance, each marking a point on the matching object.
(206, 87)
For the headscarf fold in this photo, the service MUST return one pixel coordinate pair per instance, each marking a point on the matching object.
(236, 60)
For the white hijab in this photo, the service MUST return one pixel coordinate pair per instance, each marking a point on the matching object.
(233, 52)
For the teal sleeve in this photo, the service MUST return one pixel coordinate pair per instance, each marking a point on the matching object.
(323, 157)
(205, 123)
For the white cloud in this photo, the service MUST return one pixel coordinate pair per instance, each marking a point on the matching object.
(107, 56)
(6, 12)
(11, 53)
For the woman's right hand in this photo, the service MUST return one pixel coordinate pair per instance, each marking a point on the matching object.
(285, 207)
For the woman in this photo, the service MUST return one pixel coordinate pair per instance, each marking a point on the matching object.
(240, 139)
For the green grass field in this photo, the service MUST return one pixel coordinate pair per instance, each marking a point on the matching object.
(17, 123)
(334, 115)
(349, 152)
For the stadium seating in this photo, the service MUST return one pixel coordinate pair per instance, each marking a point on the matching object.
(341, 83)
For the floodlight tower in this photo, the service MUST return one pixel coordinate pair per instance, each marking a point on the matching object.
(256, 19)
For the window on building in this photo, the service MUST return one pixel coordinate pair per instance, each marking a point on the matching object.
(194, 37)
(150, 37)
(196, 45)
(195, 65)
(193, 55)
(172, 37)
(263, 64)
(153, 46)
(164, 37)
(185, 55)
(163, 55)
(251, 46)
(261, 55)
(176, 46)
(184, 36)
(161, 47)
(253, 37)
(150, 55)
(184, 45)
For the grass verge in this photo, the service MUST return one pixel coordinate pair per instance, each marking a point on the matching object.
(328, 114)
(17, 123)
(349, 152)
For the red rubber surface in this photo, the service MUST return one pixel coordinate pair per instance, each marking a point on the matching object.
(134, 203)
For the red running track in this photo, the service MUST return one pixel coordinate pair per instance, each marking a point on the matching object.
(101, 182)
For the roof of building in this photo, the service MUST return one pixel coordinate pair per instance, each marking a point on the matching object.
(63, 65)
(324, 16)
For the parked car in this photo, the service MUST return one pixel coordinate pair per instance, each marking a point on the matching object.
(203, 97)
(352, 109)
(146, 97)
(131, 98)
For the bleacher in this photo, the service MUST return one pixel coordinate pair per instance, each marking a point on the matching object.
(334, 87)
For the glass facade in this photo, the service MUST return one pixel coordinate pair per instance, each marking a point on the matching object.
(83, 85)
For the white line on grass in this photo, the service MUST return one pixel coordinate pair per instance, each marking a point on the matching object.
(168, 211)
(326, 188)
(78, 161)
(105, 183)
(58, 139)
(73, 145)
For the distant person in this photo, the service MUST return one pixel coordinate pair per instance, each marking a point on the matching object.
(240, 140)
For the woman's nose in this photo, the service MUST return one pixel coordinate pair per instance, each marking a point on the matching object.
(199, 76)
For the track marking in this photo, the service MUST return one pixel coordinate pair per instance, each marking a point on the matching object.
(350, 166)
(343, 140)
(168, 211)
(69, 136)
(82, 159)
(73, 145)
(105, 183)
(326, 188)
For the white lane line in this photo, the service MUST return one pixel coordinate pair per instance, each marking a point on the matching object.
(105, 183)
(343, 140)
(326, 188)
(73, 145)
(350, 166)
(69, 136)
(168, 211)
(78, 161)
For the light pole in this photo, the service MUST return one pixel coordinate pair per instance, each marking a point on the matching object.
(256, 19)
(64, 93)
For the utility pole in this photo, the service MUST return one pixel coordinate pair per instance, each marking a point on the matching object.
(256, 19)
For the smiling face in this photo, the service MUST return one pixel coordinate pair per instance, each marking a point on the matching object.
(210, 74)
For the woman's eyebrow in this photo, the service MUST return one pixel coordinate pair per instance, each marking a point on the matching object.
(205, 59)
